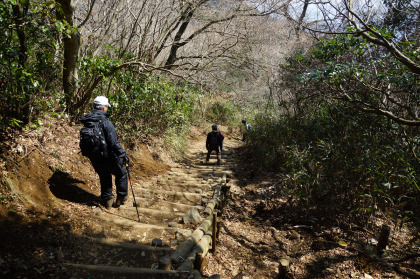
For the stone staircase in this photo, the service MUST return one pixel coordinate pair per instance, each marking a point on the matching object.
(177, 212)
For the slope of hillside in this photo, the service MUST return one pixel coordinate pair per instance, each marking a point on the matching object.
(49, 193)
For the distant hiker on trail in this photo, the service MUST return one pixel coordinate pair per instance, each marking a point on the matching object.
(247, 129)
(213, 143)
(98, 142)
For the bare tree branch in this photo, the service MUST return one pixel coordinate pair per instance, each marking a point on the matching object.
(92, 3)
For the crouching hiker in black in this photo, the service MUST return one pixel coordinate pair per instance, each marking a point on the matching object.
(214, 143)
(98, 142)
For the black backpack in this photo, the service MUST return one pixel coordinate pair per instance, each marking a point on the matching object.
(213, 140)
(92, 141)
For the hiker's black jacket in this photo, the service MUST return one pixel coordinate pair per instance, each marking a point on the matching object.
(219, 139)
(114, 147)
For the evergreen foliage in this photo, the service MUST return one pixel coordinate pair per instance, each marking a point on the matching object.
(223, 112)
(340, 156)
(29, 73)
(349, 135)
(149, 105)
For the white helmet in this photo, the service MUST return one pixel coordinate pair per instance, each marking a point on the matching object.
(101, 101)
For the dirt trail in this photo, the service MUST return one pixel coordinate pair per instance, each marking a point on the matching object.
(51, 224)
(170, 209)
(61, 230)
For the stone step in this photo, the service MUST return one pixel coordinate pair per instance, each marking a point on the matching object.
(120, 220)
(150, 216)
(203, 178)
(186, 179)
(194, 173)
(173, 196)
(197, 188)
(140, 232)
(204, 167)
(218, 171)
(163, 205)
(127, 245)
(104, 251)
(197, 182)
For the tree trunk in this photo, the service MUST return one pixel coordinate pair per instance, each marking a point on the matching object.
(177, 44)
(71, 44)
(23, 107)
(302, 16)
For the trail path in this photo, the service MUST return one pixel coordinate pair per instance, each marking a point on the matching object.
(51, 225)
(172, 211)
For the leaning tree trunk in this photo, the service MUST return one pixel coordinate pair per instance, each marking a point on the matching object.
(302, 16)
(71, 44)
(177, 44)
(23, 107)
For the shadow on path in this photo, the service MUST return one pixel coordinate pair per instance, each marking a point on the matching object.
(63, 186)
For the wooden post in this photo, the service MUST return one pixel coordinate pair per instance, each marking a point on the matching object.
(225, 189)
(204, 264)
(213, 242)
(165, 263)
(383, 239)
(219, 227)
(198, 261)
(283, 268)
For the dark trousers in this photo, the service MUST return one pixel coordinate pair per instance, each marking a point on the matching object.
(218, 154)
(107, 167)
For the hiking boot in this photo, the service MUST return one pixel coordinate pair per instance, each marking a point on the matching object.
(107, 203)
(121, 200)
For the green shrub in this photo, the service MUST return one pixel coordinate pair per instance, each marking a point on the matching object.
(341, 156)
(149, 105)
(223, 112)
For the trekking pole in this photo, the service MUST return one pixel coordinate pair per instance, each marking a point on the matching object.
(132, 191)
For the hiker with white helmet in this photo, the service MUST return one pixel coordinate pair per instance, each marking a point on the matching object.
(98, 142)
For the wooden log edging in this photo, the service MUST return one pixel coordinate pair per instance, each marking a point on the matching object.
(192, 241)
(214, 202)
(199, 241)
(217, 197)
(182, 251)
(201, 248)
